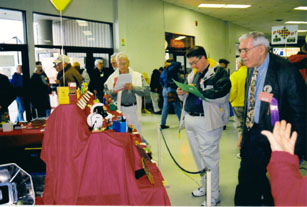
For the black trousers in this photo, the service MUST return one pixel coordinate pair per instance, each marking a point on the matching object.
(254, 188)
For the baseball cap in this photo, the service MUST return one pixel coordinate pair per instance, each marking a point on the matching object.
(76, 64)
(60, 59)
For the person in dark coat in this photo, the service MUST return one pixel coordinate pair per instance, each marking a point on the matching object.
(17, 82)
(156, 89)
(7, 94)
(98, 78)
(268, 75)
(40, 92)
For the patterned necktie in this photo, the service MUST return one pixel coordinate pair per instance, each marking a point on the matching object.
(251, 108)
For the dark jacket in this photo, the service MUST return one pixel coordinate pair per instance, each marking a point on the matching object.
(17, 83)
(220, 83)
(39, 92)
(99, 78)
(71, 75)
(289, 89)
(170, 73)
(155, 82)
(300, 61)
(7, 93)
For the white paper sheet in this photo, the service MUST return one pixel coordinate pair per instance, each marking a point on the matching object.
(122, 80)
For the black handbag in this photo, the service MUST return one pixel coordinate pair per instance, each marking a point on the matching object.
(171, 97)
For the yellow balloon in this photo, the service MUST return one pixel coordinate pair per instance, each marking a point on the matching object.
(60, 4)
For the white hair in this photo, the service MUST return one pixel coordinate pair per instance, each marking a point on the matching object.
(258, 39)
(114, 56)
(98, 61)
(120, 55)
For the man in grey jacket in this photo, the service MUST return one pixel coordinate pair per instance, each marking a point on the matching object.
(204, 119)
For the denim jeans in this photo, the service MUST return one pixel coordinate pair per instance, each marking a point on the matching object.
(21, 109)
(176, 105)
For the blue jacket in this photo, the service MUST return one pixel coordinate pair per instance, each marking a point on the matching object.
(170, 73)
(16, 80)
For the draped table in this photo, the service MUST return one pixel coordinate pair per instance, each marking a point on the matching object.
(21, 138)
(85, 168)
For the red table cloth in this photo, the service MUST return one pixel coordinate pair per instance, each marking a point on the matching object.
(94, 168)
(21, 138)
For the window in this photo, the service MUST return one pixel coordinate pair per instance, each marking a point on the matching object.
(76, 32)
(12, 21)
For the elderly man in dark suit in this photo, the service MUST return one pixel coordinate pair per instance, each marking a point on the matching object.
(269, 77)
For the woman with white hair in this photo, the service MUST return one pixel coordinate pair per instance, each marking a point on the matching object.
(98, 78)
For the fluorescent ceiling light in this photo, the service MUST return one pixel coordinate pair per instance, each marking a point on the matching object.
(180, 37)
(237, 6)
(212, 5)
(81, 23)
(87, 33)
(91, 39)
(230, 6)
(296, 22)
(301, 8)
(302, 30)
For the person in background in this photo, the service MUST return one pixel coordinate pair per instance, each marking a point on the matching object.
(237, 96)
(300, 61)
(98, 79)
(62, 63)
(224, 63)
(113, 61)
(40, 92)
(7, 94)
(82, 71)
(171, 71)
(17, 83)
(268, 75)
(129, 98)
(289, 187)
(146, 99)
(204, 119)
(156, 89)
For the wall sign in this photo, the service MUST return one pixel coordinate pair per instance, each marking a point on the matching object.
(286, 34)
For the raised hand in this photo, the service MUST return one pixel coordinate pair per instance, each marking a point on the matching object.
(281, 139)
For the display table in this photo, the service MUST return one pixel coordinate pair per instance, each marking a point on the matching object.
(85, 168)
(22, 146)
(21, 138)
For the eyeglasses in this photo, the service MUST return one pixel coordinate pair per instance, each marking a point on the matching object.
(123, 63)
(245, 50)
(194, 62)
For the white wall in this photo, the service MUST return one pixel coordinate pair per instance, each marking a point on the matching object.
(143, 23)
(216, 36)
(141, 27)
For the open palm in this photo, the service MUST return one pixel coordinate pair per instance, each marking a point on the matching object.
(281, 139)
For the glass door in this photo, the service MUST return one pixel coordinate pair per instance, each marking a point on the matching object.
(10, 57)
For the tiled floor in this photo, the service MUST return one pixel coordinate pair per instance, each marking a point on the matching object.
(179, 185)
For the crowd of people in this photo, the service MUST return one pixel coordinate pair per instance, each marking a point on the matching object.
(260, 75)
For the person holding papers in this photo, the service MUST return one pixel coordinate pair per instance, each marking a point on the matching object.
(204, 118)
(127, 87)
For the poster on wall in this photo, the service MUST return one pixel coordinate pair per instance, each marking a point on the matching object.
(286, 34)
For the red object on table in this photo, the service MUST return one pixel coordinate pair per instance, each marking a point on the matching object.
(85, 168)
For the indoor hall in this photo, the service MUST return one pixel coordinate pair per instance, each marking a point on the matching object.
(149, 32)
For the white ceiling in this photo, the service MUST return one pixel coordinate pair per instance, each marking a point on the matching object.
(261, 16)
